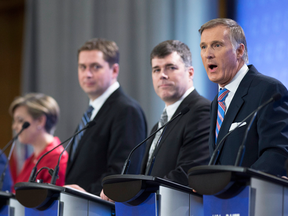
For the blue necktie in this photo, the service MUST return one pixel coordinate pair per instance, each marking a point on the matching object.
(223, 93)
(85, 119)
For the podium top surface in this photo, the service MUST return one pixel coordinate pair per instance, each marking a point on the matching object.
(238, 172)
(150, 180)
(227, 180)
(58, 189)
(7, 195)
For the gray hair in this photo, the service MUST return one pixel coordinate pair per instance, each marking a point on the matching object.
(237, 35)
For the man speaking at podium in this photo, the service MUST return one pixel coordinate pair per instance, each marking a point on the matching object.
(242, 89)
(119, 120)
(183, 143)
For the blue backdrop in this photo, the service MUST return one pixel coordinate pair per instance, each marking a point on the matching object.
(265, 23)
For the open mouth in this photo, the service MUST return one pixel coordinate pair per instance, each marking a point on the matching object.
(211, 67)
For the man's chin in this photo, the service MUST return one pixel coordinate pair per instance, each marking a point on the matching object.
(213, 78)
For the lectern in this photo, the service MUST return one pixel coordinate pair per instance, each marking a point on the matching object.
(153, 196)
(239, 191)
(9, 205)
(46, 199)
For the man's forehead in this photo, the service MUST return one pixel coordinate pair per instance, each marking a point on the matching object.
(215, 33)
(171, 58)
(91, 56)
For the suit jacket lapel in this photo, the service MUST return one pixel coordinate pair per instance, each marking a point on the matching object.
(235, 106)
(185, 103)
(213, 117)
(104, 110)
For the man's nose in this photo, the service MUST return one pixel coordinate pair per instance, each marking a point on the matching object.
(163, 75)
(209, 53)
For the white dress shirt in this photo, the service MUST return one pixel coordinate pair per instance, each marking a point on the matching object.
(98, 102)
(233, 85)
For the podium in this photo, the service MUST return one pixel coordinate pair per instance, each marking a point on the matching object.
(153, 196)
(9, 205)
(46, 199)
(239, 191)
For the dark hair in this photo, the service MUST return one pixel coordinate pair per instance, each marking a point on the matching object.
(167, 47)
(109, 49)
(237, 35)
(37, 105)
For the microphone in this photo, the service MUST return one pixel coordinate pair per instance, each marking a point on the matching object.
(56, 169)
(242, 147)
(32, 177)
(24, 126)
(128, 160)
(216, 152)
(153, 156)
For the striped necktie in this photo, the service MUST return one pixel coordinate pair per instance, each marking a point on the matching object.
(162, 121)
(223, 93)
(85, 119)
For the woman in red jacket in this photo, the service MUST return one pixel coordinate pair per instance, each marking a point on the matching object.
(42, 112)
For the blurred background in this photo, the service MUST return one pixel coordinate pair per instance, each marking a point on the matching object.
(39, 41)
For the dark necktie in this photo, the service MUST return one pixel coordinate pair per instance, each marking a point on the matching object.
(223, 93)
(162, 121)
(85, 119)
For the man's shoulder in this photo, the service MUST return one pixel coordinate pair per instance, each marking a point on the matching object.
(122, 99)
(194, 99)
(261, 79)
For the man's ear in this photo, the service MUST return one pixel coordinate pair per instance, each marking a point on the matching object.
(240, 51)
(115, 70)
(191, 72)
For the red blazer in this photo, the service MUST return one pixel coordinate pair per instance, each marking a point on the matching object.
(49, 160)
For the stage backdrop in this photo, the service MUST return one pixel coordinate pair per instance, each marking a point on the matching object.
(56, 29)
(266, 28)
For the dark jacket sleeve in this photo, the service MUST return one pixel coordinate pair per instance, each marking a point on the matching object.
(129, 128)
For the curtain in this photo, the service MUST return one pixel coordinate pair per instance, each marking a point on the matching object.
(56, 29)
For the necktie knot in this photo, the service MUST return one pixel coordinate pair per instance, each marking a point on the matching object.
(163, 118)
(89, 111)
(223, 93)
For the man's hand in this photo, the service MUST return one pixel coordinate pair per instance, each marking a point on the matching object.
(104, 197)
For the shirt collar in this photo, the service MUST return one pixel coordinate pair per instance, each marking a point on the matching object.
(235, 82)
(171, 109)
(98, 102)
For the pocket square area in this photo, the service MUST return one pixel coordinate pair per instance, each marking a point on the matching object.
(235, 124)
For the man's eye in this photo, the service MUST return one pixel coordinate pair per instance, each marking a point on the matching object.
(96, 67)
(156, 70)
(82, 67)
(217, 45)
(172, 68)
(203, 47)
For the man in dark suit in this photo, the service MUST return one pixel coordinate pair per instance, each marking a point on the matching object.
(120, 121)
(184, 143)
(242, 89)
